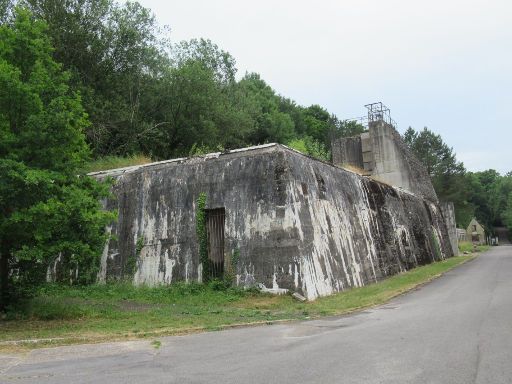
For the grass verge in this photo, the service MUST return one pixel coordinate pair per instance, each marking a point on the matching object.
(468, 247)
(66, 315)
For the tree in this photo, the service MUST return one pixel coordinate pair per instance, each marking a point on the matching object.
(47, 211)
(187, 116)
(115, 55)
(144, 94)
(448, 175)
(499, 199)
(311, 147)
(296, 113)
(317, 121)
(489, 193)
(5, 10)
(220, 62)
(507, 214)
(263, 106)
(430, 148)
(350, 128)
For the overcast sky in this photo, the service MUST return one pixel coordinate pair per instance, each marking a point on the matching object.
(443, 64)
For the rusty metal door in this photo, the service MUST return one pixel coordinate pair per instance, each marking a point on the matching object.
(215, 219)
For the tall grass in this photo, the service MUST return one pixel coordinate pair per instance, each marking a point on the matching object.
(467, 246)
(112, 162)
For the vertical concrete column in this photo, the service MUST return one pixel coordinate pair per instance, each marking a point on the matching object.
(448, 211)
(390, 167)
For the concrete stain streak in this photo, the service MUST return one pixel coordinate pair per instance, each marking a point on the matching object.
(296, 223)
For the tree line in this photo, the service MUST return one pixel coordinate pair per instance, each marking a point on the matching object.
(83, 79)
(485, 195)
(146, 94)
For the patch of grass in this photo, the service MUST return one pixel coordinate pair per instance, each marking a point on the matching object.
(64, 315)
(156, 344)
(112, 162)
(467, 246)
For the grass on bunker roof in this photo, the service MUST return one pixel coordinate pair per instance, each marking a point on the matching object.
(60, 315)
(113, 162)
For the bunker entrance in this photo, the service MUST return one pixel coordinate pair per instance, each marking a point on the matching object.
(215, 219)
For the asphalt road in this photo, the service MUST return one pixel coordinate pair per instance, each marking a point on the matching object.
(457, 329)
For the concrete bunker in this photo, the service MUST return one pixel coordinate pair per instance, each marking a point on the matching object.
(381, 153)
(290, 222)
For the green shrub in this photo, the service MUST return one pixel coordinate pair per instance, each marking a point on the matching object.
(311, 147)
(465, 246)
(202, 235)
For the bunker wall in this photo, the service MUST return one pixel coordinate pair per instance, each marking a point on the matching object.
(296, 223)
(448, 210)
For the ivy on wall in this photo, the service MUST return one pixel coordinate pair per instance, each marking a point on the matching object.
(232, 267)
(131, 262)
(202, 235)
(437, 247)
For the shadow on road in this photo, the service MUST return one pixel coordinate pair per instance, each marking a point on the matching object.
(503, 235)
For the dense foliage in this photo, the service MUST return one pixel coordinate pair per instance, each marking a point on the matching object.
(47, 211)
(146, 95)
(485, 195)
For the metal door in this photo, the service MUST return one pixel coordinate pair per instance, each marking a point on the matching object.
(215, 219)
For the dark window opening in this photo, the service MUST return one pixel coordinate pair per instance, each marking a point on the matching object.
(215, 219)
(321, 186)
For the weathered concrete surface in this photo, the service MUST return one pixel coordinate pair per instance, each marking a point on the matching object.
(297, 223)
(385, 155)
(348, 151)
(448, 210)
(456, 330)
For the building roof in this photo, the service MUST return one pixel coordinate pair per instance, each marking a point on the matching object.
(213, 155)
(248, 151)
(474, 222)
